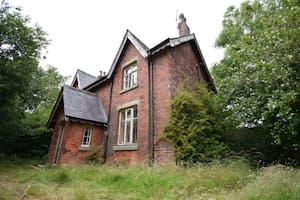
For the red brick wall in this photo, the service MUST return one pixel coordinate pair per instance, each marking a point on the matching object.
(161, 92)
(184, 67)
(141, 94)
(59, 116)
(163, 151)
(73, 132)
(103, 92)
(162, 79)
(72, 137)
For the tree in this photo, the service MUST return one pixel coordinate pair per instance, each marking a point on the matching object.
(20, 47)
(196, 125)
(27, 91)
(34, 138)
(259, 75)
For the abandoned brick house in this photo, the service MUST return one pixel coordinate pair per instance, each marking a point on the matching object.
(125, 111)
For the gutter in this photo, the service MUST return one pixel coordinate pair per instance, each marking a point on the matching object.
(60, 139)
(151, 109)
(108, 122)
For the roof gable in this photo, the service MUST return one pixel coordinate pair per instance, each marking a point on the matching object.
(137, 43)
(145, 52)
(83, 79)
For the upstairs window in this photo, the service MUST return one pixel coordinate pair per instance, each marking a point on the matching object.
(130, 77)
(128, 126)
(86, 137)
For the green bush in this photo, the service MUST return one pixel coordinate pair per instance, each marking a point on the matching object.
(196, 126)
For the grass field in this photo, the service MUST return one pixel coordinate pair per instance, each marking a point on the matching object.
(232, 180)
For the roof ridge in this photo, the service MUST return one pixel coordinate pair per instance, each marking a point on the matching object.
(80, 90)
(140, 41)
(172, 42)
(174, 38)
(139, 45)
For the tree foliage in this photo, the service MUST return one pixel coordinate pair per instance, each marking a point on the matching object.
(259, 75)
(196, 125)
(20, 47)
(27, 91)
(35, 137)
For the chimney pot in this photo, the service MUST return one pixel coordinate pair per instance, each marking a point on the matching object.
(101, 74)
(183, 28)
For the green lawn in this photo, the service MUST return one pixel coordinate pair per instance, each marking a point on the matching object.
(234, 180)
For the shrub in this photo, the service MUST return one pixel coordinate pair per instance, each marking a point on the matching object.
(95, 155)
(196, 126)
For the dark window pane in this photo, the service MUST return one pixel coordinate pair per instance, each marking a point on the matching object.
(134, 112)
(123, 116)
(122, 129)
(134, 136)
(128, 114)
(128, 127)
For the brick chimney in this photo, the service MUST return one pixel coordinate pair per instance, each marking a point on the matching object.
(183, 28)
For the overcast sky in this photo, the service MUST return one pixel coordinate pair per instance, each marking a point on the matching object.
(87, 34)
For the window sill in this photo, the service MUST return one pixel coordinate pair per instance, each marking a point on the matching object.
(84, 148)
(130, 147)
(128, 89)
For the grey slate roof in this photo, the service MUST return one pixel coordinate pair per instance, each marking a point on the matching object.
(83, 105)
(78, 104)
(84, 79)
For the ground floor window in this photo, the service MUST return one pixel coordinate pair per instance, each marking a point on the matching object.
(86, 137)
(128, 126)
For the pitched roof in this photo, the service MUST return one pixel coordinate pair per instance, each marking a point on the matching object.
(137, 43)
(79, 104)
(83, 105)
(145, 52)
(173, 42)
(84, 79)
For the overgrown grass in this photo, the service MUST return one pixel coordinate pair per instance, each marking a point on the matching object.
(272, 183)
(232, 180)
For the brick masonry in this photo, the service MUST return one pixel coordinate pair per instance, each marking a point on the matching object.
(138, 94)
(72, 137)
(171, 68)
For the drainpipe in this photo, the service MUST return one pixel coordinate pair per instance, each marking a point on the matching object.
(59, 141)
(108, 122)
(151, 109)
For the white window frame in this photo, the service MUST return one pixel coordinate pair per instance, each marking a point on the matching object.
(87, 133)
(132, 122)
(130, 76)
